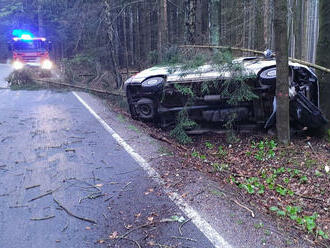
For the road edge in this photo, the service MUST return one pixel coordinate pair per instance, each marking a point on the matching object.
(215, 238)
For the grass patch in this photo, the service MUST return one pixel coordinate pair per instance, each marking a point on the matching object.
(133, 128)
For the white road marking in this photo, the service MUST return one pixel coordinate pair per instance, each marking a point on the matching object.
(215, 238)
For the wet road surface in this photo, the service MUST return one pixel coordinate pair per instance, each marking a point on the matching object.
(5, 70)
(65, 182)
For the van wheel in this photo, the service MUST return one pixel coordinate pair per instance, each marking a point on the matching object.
(268, 76)
(132, 111)
(146, 108)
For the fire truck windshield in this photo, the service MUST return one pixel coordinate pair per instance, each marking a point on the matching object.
(23, 45)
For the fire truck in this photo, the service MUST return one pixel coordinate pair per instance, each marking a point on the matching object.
(31, 51)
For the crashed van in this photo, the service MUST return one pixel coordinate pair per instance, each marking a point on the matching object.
(156, 94)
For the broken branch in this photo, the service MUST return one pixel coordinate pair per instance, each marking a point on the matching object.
(309, 197)
(92, 196)
(136, 228)
(19, 206)
(32, 187)
(40, 196)
(66, 227)
(43, 195)
(134, 241)
(81, 181)
(252, 214)
(164, 139)
(73, 215)
(184, 238)
(44, 218)
(182, 224)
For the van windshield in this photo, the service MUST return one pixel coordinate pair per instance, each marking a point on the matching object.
(29, 45)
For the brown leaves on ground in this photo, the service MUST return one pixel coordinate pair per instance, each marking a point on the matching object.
(301, 168)
(149, 191)
(114, 235)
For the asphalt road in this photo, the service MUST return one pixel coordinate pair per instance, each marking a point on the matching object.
(4, 72)
(65, 181)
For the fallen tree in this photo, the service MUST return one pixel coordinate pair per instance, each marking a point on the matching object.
(315, 66)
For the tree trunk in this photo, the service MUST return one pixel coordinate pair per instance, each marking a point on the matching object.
(220, 19)
(131, 36)
(41, 28)
(136, 35)
(252, 24)
(202, 21)
(323, 54)
(126, 44)
(145, 31)
(245, 18)
(112, 55)
(282, 89)
(291, 28)
(205, 22)
(266, 24)
(215, 22)
(297, 28)
(304, 30)
(163, 28)
(191, 21)
(180, 27)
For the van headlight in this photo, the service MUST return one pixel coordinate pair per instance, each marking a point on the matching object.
(18, 65)
(47, 64)
(153, 82)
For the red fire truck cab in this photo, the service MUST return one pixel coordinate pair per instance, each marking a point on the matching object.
(30, 51)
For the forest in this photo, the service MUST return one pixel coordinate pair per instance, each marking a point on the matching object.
(105, 35)
(138, 28)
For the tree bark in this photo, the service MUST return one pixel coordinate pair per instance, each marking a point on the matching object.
(304, 46)
(266, 24)
(131, 36)
(191, 21)
(111, 44)
(220, 20)
(323, 55)
(205, 22)
(202, 21)
(297, 29)
(282, 71)
(41, 28)
(126, 44)
(163, 28)
(214, 22)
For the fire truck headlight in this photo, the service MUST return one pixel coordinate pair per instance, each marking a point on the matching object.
(18, 65)
(47, 64)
